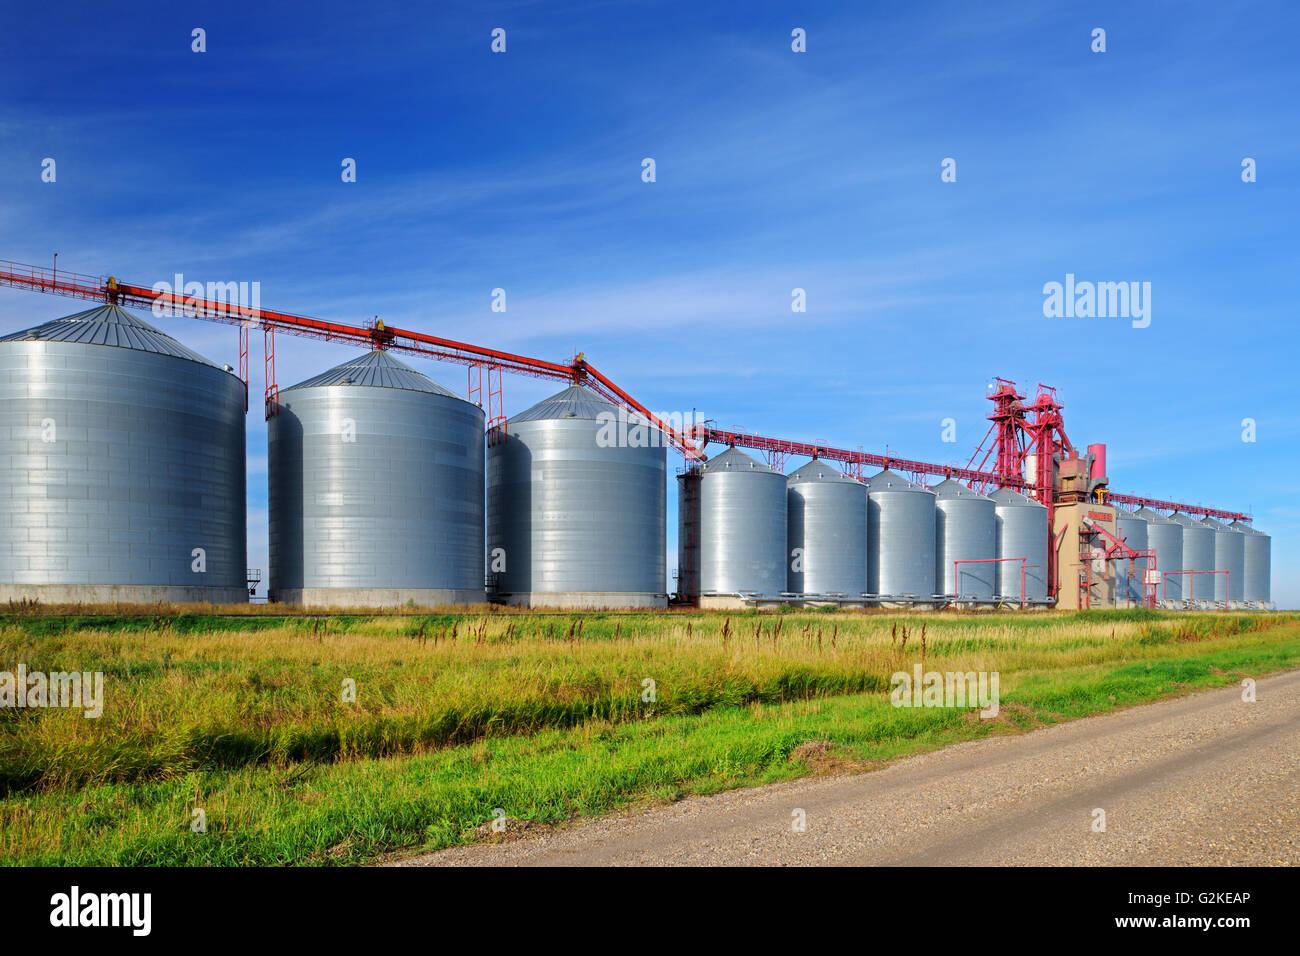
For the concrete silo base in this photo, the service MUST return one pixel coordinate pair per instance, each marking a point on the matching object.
(723, 602)
(584, 600)
(374, 597)
(120, 594)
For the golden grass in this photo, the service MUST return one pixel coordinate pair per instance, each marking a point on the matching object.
(186, 691)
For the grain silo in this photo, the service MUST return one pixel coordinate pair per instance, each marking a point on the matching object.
(900, 539)
(1198, 560)
(375, 489)
(965, 530)
(1165, 538)
(576, 506)
(1229, 556)
(123, 466)
(1021, 533)
(742, 528)
(1257, 562)
(1133, 532)
(827, 532)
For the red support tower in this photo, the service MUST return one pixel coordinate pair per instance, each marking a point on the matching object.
(494, 409)
(272, 389)
(1008, 434)
(1047, 442)
(243, 361)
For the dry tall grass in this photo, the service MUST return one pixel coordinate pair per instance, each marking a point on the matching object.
(189, 691)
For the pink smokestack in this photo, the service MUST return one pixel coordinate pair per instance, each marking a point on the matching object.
(1098, 453)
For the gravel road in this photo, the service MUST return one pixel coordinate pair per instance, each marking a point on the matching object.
(1200, 780)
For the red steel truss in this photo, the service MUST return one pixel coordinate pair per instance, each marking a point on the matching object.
(847, 456)
(376, 335)
(1018, 431)
(1158, 505)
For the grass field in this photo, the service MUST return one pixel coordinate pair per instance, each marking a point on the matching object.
(547, 717)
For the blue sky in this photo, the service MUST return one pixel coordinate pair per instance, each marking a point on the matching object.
(775, 170)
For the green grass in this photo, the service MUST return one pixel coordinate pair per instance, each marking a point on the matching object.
(542, 716)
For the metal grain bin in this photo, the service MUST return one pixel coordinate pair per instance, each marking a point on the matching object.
(900, 539)
(1021, 533)
(1165, 537)
(742, 527)
(375, 489)
(121, 466)
(965, 530)
(1230, 556)
(1133, 531)
(827, 527)
(577, 506)
(1257, 561)
(1198, 558)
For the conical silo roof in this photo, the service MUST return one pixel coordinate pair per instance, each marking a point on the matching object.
(892, 481)
(576, 401)
(949, 488)
(377, 369)
(109, 325)
(1009, 496)
(733, 459)
(1152, 517)
(818, 470)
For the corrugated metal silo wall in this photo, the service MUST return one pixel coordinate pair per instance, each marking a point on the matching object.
(1198, 556)
(1133, 531)
(573, 516)
(900, 550)
(827, 520)
(399, 505)
(1230, 556)
(1022, 533)
(743, 532)
(1165, 537)
(1257, 558)
(146, 464)
(965, 530)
